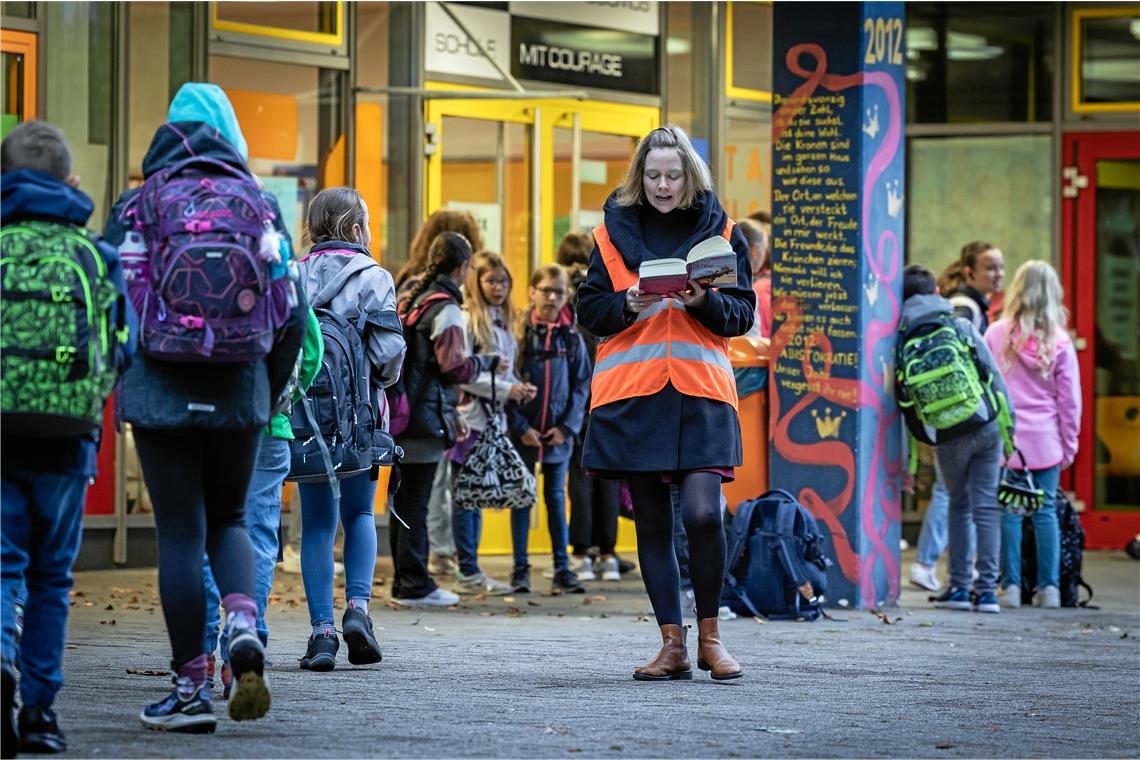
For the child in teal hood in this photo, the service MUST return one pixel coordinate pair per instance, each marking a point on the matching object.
(209, 104)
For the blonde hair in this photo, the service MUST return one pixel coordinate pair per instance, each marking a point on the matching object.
(698, 179)
(1034, 307)
(480, 321)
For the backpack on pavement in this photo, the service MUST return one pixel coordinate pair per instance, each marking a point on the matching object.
(208, 293)
(944, 392)
(334, 424)
(64, 328)
(776, 561)
(1071, 560)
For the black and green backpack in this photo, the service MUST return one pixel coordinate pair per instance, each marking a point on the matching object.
(62, 329)
(944, 392)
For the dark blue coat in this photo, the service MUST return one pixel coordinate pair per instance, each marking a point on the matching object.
(666, 431)
(554, 359)
(27, 194)
(157, 394)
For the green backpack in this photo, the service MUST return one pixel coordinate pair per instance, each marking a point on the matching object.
(63, 330)
(944, 392)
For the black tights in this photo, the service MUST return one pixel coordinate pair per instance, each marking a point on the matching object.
(700, 513)
(198, 480)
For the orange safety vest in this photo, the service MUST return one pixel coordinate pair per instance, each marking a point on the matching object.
(664, 345)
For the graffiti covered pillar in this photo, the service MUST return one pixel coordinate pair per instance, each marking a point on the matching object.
(837, 258)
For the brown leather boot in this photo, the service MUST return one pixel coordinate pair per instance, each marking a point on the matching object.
(711, 654)
(672, 662)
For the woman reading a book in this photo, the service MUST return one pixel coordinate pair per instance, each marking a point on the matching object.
(663, 403)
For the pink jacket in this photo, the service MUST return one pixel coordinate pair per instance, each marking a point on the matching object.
(1047, 409)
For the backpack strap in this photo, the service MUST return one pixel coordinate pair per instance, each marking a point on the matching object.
(330, 470)
(741, 528)
(785, 526)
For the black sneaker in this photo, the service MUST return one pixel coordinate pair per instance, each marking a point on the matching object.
(625, 566)
(39, 732)
(363, 649)
(566, 582)
(321, 653)
(250, 698)
(11, 737)
(520, 579)
(186, 710)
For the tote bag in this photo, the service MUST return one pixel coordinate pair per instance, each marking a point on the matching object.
(494, 474)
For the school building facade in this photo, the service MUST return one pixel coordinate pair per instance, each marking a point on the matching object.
(1021, 129)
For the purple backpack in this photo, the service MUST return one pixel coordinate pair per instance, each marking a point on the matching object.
(206, 293)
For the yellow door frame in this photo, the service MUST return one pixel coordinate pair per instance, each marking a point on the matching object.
(594, 116)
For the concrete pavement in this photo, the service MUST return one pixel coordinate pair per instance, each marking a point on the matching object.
(542, 676)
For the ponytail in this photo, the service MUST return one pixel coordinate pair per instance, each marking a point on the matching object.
(448, 252)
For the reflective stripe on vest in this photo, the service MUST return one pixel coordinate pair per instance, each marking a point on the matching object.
(664, 345)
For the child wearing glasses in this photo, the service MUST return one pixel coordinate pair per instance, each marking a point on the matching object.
(552, 356)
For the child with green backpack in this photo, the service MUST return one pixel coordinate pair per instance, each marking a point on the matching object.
(953, 397)
(68, 331)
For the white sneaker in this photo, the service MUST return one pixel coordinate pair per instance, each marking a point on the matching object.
(481, 583)
(1048, 597)
(925, 576)
(608, 568)
(438, 598)
(291, 562)
(583, 568)
(1011, 597)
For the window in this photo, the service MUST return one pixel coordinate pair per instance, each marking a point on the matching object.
(306, 22)
(996, 189)
(79, 41)
(749, 54)
(1107, 54)
(160, 62)
(746, 174)
(290, 118)
(969, 62)
(687, 62)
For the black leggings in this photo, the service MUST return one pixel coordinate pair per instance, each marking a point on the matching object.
(197, 481)
(700, 513)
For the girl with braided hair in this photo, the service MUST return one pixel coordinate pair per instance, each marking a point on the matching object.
(437, 364)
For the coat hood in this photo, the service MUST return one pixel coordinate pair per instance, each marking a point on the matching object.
(31, 194)
(623, 224)
(1027, 352)
(333, 264)
(175, 141)
(209, 104)
(919, 307)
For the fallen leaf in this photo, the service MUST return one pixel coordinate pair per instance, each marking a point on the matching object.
(147, 672)
(759, 621)
(597, 598)
(532, 603)
(508, 599)
(429, 628)
(109, 607)
(513, 611)
(926, 624)
(89, 604)
(486, 614)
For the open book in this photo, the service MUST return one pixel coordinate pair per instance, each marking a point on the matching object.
(711, 262)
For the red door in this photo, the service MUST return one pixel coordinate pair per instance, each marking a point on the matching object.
(1101, 273)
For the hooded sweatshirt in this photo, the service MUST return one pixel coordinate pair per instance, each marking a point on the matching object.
(27, 194)
(1047, 405)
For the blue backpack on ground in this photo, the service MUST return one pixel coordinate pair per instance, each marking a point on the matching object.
(776, 561)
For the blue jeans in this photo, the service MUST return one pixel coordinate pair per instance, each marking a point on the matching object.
(42, 528)
(1046, 534)
(263, 517)
(318, 533)
(467, 529)
(554, 493)
(932, 539)
(971, 465)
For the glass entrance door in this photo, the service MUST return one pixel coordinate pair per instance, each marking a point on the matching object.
(529, 171)
(1101, 196)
